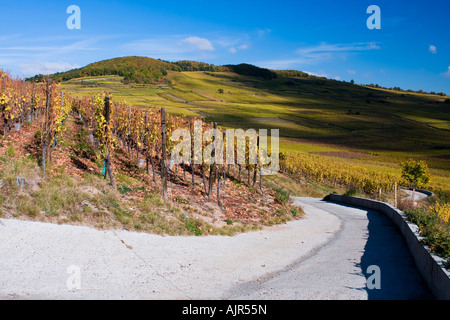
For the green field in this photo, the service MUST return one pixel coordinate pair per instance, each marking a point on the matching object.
(373, 127)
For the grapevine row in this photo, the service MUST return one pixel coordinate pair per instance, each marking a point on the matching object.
(322, 170)
(145, 135)
(24, 102)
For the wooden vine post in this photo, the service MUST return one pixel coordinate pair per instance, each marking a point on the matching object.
(33, 104)
(3, 106)
(213, 159)
(108, 169)
(146, 143)
(55, 139)
(163, 153)
(46, 136)
(255, 166)
(218, 173)
(261, 179)
(192, 154)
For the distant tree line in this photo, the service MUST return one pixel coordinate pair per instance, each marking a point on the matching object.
(442, 94)
(292, 74)
(186, 65)
(251, 70)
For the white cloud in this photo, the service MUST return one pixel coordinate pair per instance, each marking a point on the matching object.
(154, 46)
(187, 47)
(447, 74)
(318, 74)
(41, 67)
(328, 51)
(432, 49)
(201, 44)
(242, 47)
(4, 38)
(280, 64)
(175, 47)
(318, 54)
(261, 33)
(351, 72)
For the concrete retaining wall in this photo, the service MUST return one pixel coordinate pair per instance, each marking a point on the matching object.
(429, 265)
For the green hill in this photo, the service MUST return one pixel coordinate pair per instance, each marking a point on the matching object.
(132, 69)
(144, 70)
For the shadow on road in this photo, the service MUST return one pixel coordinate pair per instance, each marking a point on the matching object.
(387, 262)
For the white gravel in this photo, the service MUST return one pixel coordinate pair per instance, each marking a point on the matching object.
(36, 258)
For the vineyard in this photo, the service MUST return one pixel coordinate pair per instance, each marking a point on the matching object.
(23, 102)
(117, 132)
(145, 136)
(142, 132)
(321, 170)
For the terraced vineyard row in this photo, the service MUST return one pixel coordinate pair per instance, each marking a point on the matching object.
(322, 170)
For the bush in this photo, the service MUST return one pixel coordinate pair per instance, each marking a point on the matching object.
(407, 204)
(193, 226)
(351, 192)
(282, 196)
(10, 152)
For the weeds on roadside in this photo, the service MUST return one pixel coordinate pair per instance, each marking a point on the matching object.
(436, 232)
(282, 196)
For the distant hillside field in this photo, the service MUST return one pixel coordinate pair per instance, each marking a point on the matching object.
(371, 126)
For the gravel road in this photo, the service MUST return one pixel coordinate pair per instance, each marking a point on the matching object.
(323, 256)
(417, 195)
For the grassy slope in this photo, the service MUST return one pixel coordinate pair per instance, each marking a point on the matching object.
(382, 128)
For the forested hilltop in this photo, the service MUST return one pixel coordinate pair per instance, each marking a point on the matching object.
(148, 70)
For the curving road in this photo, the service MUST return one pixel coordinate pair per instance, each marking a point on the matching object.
(414, 195)
(339, 268)
(325, 255)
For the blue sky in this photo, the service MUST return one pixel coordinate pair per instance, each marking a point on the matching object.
(328, 38)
